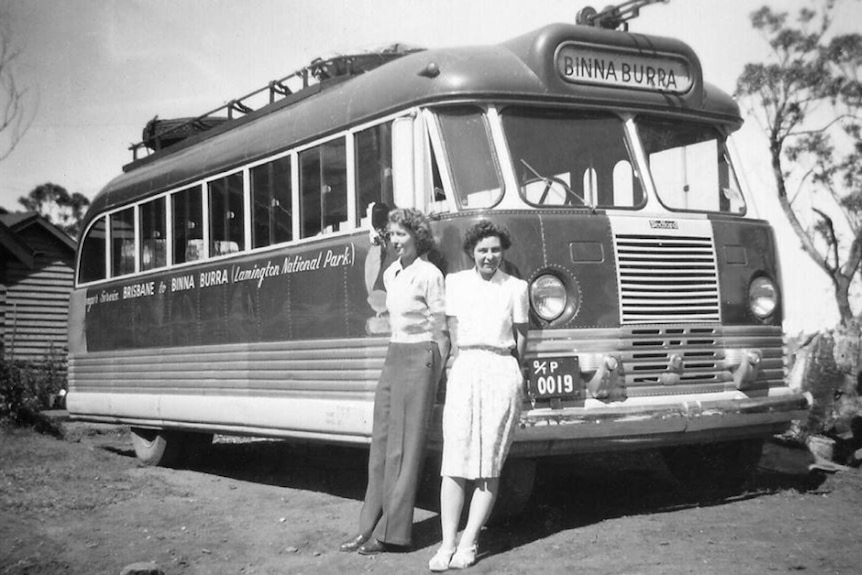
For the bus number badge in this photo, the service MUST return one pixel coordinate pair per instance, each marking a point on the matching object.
(555, 377)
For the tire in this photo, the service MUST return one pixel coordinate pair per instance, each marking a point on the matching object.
(516, 487)
(161, 447)
(716, 468)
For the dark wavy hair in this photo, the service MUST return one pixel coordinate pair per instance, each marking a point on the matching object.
(485, 229)
(417, 225)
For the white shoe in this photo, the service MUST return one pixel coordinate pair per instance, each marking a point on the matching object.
(441, 559)
(463, 558)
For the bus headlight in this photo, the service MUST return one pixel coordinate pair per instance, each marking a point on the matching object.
(762, 296)
(548, 296)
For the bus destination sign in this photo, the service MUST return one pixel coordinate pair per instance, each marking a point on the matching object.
(587, 64)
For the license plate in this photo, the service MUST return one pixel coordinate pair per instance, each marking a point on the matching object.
(552, 377)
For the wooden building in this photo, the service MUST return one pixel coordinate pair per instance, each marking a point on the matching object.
(37, 262)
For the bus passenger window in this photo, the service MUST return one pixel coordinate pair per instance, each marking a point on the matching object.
(323, 188)
(271, 201)
(473, 162)
(122, 242)
(153, 234)
(226, 215)
(373, 168)
(92, 266)
(188, 230)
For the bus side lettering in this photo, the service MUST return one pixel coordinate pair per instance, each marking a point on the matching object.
(258, 273)
(213, 278)
(138, 290)
(334, 260)
(183, 283)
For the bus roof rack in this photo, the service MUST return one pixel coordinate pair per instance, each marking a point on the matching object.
(159, 134)
(613, 17)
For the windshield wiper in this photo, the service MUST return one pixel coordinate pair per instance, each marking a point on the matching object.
(550, 181)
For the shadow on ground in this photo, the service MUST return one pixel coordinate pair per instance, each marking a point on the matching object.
(569, 493)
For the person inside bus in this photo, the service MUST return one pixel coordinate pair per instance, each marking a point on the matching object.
(486, 310)
(408, 383)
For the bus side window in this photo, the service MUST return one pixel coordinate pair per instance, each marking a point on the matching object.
(153, 234)
(122, 242)
(271, 200)
(323, 188)
(187, 210)
(470, 155)
(92, 267)
(227, 215)
(373, 159)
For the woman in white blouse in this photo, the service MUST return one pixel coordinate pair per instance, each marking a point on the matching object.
(405, 393)
(486, 311)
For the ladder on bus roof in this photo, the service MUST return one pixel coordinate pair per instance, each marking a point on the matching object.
(160, 134)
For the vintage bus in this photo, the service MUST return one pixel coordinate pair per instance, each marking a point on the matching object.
(230, 281)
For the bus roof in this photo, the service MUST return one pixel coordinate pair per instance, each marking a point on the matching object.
(524, 69)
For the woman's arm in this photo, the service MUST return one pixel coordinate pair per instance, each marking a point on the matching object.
(520, 332)
(436, 301)
(452, 322)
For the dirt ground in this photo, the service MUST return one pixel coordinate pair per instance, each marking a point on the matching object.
(84, 505)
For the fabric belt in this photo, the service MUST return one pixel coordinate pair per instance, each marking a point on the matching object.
(489, 348)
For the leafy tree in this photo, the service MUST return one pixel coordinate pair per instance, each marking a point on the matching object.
(13, 123)
(808, 100)
(58, 206)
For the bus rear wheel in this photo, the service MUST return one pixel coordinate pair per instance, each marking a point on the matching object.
(168, 448)
(716, 468)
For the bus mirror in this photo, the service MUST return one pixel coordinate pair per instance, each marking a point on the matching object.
(403, 179)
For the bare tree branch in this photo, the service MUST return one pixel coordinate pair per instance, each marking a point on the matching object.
(13, 120)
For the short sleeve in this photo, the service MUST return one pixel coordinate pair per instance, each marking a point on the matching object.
(521, 305)
(436, 299)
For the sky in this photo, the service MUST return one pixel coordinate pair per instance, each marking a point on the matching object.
(96, 71)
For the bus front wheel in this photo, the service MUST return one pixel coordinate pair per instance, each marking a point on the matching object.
(168, 448)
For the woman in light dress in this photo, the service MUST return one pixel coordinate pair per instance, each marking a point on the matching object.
(486, 311)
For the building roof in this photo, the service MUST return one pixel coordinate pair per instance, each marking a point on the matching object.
(14, 243)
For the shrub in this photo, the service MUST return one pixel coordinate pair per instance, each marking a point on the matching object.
(26, 388)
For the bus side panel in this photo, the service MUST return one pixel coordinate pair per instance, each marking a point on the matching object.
(744, 249)
(329, 289)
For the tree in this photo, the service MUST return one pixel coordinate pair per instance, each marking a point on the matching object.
(53, 202)
(808, 100)
(13, 123)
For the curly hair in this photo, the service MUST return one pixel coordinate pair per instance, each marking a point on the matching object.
(485, 229)
(417, 225)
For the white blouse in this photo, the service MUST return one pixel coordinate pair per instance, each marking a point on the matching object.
(414, 299)
(486, 309)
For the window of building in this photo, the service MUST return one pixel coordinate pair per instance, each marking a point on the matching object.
(153, 224)
(272, 204)
(227, 211)
(187, 210)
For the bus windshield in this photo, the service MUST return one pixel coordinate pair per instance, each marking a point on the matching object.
(570, 158)
(690, 166)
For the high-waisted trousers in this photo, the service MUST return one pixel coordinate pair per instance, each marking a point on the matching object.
(403, 404)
